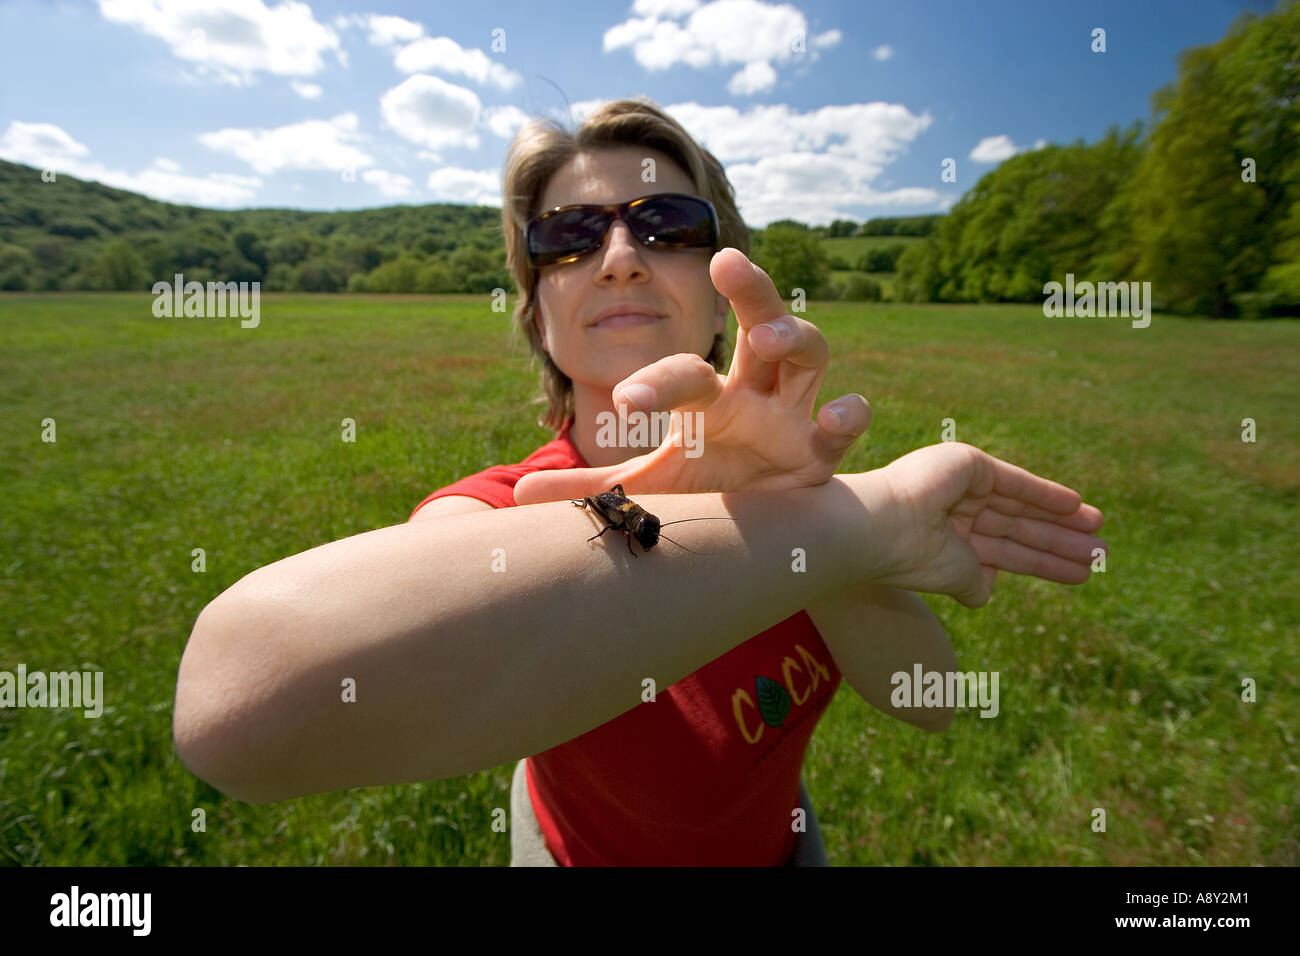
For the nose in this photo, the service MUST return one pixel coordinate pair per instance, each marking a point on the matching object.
(621, 255)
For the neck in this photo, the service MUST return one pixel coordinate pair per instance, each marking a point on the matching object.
(587, 404)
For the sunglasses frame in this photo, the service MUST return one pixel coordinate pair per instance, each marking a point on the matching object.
(613, 212)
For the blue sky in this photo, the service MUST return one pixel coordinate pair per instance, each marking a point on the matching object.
(818, 110)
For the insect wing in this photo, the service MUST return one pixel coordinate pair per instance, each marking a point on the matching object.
(611, 506)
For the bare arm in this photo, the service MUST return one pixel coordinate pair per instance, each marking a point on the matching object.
(459, 666)
(873, 632)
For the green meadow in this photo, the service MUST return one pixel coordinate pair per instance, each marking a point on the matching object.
(1124, 694)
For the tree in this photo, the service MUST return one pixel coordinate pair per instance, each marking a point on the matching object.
(251, 250)
(120, 268)
(1036, 217)
(1204, 236)
(794, 259)
(858, 288)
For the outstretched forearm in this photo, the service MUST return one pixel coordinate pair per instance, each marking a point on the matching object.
(874, 632)
(480, 638)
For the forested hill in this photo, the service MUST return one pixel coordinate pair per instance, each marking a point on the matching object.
(72, 234)
(77, 234)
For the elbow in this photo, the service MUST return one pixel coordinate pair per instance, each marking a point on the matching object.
(207, 757)
(211, 713)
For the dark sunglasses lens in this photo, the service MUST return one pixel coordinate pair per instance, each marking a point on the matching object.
(663, 221)
(673, 221)
(569, 233)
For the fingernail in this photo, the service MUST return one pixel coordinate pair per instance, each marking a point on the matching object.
(781, 328)
(837, 412)
(640, 397)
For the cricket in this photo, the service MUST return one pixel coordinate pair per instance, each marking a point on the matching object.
(620, 513)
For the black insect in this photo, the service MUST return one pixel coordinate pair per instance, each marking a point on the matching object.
(622, 514)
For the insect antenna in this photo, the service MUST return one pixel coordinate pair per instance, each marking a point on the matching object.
(682, 546)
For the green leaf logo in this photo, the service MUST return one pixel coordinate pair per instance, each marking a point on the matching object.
(773, 702)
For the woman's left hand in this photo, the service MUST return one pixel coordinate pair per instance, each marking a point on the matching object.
(756, 429)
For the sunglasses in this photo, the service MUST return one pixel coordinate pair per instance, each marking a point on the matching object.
(663, 221)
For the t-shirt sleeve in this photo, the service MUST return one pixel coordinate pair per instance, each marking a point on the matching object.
(495, 485)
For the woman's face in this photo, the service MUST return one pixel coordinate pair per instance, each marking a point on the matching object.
(674, 284)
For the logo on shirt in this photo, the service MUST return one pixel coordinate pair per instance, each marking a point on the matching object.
(772, 700)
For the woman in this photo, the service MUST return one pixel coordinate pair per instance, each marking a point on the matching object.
(664, 701)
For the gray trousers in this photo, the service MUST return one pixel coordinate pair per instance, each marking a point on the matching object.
(528, 846)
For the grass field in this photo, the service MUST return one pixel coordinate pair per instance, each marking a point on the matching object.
(1123, 694)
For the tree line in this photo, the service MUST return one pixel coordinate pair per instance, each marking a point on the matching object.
(76, 235)
(1203, 202)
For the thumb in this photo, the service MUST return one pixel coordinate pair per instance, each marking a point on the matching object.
(570, 483)
(981, 595)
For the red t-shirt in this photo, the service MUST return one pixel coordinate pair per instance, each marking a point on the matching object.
(705, 775)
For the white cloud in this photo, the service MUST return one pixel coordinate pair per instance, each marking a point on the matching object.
(474, 186)
(583, 108)
(42, 145)
(447, 56)
(312, 144)
(390, 184)
(432, 112)
(392, 31)
(808, 166)
(872, 133)
(47, 146)
(754, 78)
(308, 91)
(664, 8)
(720, 33)
(994, 149)
(233, 40)
(504, 120)
(883, 52)
(415, 52)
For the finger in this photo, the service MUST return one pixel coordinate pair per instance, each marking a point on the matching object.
(1040, 535)
(1086, 518)
(1007, 555)
(755, 300)
(571, 483)
(837, 432)
(1012, 481)
(797, 351)
(676, 381)
(981, 596)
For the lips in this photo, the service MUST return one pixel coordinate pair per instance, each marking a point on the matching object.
(625, 315)
(626, 321)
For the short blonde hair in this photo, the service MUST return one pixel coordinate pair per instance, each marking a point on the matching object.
(538, 151)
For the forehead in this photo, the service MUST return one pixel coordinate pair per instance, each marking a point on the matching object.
(613, 175)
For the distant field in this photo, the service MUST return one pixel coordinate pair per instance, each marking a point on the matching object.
(1123, 694)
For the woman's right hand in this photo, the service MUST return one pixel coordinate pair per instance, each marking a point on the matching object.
(959, 515)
